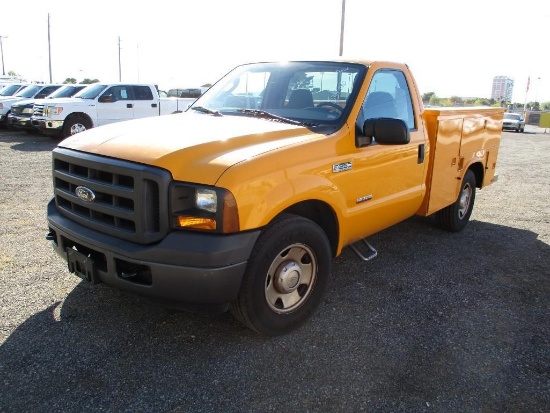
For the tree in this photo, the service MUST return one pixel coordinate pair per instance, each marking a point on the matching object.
(456, 101)
(70, 81)
(88, 81)
(434, 100)
(427, 96)
(482, 102)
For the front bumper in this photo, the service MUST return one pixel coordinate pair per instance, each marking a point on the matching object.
(511, 126)
(21, 122)
(47, 126)
(189, 270)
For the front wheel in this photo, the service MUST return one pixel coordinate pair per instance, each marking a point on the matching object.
(455, 217)
(74, 125)
(285, 278)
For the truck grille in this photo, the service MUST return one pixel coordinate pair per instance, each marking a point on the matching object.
(119, 198)
(38, 110)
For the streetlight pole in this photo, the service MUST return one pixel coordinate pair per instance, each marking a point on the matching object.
(49, 49)
(2, 52)
(119, 65)
(342, 27)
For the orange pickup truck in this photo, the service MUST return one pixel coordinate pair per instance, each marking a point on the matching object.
(242, 202)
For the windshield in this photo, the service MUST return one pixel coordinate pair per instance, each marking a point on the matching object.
(91, 92)
(9, 90)
(29, 91)
(513, 116)
(314, 93)
(65, 91)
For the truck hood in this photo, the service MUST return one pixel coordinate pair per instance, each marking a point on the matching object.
(8, 100)
(193, 147)
(26, 102)
(61, 101)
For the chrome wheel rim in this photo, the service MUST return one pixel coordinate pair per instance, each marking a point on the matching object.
(77, 128)
(465, 199)
(290, 278)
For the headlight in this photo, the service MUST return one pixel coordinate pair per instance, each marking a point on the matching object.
(52, 110)
(28, 111)
(206, 199)
(203, 208)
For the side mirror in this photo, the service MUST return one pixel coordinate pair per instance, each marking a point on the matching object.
(387, 131)
(107, 98)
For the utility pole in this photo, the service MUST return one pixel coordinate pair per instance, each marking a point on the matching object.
(119, 66)
(2, 52)
(342, 27)
(49, 49)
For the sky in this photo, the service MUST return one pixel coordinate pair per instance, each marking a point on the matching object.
(452, 48)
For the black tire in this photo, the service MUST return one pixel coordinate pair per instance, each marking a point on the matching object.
(456, 216)
(298, 252)
(8, 124)
(74, 125)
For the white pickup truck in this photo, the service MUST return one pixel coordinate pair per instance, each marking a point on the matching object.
(101, 104)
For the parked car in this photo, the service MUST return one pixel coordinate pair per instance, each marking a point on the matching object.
(513, 121)
(10, 89)
(30, 92)
(101, 104)
(21, 112)
(187, 92)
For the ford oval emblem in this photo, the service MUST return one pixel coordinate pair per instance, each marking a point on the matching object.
(86, 194)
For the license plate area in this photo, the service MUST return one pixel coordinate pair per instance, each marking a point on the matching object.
(81, 265)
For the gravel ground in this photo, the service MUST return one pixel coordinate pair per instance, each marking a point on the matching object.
(438, 322)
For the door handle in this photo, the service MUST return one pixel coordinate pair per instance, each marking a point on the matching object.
(153, 105)
(421, 152)
(129, 105)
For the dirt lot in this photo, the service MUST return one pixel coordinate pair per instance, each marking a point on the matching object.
(438, 322)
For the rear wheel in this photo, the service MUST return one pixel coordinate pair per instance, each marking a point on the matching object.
(455, 217)
(285, 277)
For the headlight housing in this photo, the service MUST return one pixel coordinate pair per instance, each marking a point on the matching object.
(202, 208)
(52, 110)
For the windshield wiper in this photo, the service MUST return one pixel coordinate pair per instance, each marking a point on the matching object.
(206, 110)
(266, 115)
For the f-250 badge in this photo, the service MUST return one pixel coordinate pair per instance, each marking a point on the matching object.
(341, 167)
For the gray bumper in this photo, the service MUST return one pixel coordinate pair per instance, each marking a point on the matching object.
(186, 269)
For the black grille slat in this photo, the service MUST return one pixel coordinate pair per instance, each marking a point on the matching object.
(93, 185)
(130, 199)
(98, 206)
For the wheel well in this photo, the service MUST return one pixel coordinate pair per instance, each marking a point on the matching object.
(477, 169)
(323, 215)
(80, 115)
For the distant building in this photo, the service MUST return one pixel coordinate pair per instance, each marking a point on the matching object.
(503, 87)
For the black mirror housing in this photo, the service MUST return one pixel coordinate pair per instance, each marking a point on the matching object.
(387, 131)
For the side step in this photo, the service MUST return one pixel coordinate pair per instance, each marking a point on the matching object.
(372, 251)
